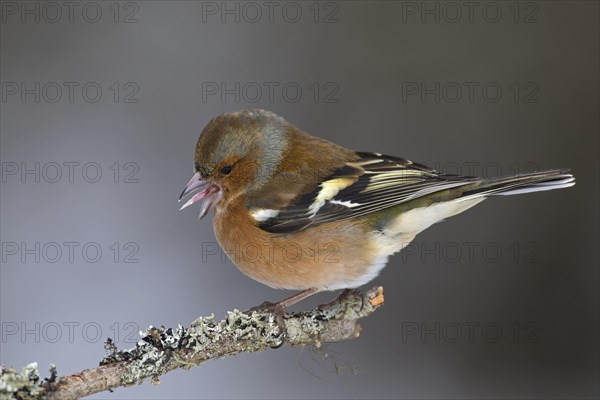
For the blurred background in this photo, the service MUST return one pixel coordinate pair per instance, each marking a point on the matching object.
(102, 103)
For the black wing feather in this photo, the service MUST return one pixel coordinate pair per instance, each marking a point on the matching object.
(371, 183)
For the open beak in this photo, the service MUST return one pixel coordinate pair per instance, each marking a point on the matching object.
(205, 190)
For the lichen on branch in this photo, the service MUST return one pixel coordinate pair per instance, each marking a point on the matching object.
(161, 350)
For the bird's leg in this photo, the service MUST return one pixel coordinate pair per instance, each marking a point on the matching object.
(267, 306)
(279, 307)
(290, 301)
(344, 293)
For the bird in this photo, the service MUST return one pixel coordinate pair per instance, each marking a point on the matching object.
(297, 212)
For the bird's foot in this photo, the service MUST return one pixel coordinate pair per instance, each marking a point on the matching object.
(273, 308)
(344, 294)
(279, 308)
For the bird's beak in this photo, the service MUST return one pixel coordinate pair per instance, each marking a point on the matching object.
(210, 193)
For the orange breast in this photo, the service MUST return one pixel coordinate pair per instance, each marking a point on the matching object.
(326, 257)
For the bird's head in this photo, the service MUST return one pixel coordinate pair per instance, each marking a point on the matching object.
(235, 154)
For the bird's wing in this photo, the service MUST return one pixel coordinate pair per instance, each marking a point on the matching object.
(368, 184)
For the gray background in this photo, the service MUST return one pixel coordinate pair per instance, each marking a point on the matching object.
(543, 285)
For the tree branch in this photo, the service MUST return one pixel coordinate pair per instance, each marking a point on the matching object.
(164, 349)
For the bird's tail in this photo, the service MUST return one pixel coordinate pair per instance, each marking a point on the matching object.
(525, 183)
(473, 192)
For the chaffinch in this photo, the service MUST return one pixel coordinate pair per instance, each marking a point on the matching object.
(297, 212)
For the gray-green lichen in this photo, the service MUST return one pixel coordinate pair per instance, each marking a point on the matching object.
(160, 346)
(24, 385)
(148, 356)
(160, 350)
(257, 328)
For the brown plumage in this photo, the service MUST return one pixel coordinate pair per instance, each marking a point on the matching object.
(297, 212)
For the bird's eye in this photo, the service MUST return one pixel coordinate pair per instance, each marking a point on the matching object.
(226, 170)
